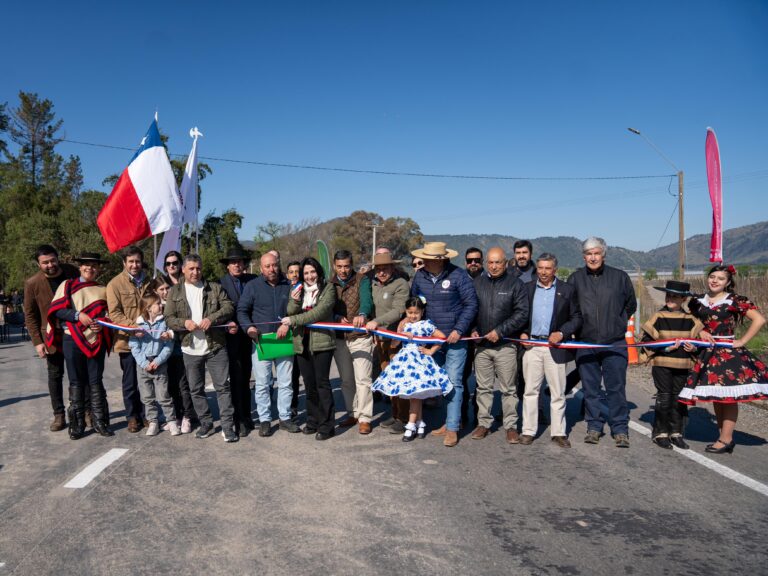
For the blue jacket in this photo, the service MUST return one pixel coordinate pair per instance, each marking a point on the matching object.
(262, 302)
(150, 344)
(451, 298)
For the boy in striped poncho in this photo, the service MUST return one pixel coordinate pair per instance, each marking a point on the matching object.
(672, 364)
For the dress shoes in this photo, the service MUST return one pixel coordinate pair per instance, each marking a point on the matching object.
(364, 428)
(480, 433)
(526, 439)
(451, 438)
(512, 436)
(309, 430)
(663, 442)
(561, 441)
(724, 449)
(347, 422)
(324, 435)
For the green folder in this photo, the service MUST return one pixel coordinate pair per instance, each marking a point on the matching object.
(270, 347)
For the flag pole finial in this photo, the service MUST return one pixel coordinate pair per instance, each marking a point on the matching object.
(194, 132)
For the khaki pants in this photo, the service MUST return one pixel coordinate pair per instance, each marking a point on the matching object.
(492, 363)
(537, 365)
(354, 359)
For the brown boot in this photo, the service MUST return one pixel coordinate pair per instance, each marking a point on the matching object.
(451, 438)
(59, 422)
(440, 431)
(133, 425)
(480, 433)
(512, 436)
(88, 419)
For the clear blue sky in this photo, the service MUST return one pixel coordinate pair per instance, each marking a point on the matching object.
(542, 89)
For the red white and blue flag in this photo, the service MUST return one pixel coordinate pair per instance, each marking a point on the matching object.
(145, 200)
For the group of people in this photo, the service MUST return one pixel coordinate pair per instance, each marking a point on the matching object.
(410, 339)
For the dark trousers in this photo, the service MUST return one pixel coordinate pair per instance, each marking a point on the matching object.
(315, 370)
(86, 379)
(239, 350)
(134, 408)
(608, 365)
(468, 399)
(55, 363)
(669, 412)
(178, 387)
(295, 375)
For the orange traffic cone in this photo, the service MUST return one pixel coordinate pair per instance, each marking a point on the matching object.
(634, 357)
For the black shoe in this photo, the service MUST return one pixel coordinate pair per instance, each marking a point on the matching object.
(663, 442)
(679, 442)
(205, 430)
(726, 448)
(100, 427)
(397, 427)
(309, 430)
(388, 422)
(289, 426)
(243, 430)
(324, 435)
(265, 429)
(229, 434)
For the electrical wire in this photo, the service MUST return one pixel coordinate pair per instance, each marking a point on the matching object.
(389, 172)
(661, 238)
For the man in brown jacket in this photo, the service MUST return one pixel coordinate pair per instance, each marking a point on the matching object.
(124, 294)
(38, 293)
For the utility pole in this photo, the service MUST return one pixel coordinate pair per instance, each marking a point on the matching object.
(373, 251)
(680, 223)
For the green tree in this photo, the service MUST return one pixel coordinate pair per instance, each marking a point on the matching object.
(355, 233)
(650, 274)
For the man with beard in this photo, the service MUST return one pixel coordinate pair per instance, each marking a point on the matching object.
(523, 268)
(38, 293)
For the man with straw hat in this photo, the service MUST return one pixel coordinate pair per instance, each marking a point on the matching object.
(451, 304)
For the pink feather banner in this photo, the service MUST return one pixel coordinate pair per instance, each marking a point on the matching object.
(714, 179)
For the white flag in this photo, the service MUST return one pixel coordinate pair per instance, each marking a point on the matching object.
(188, 197)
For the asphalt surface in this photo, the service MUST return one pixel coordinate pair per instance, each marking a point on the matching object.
(369, 504)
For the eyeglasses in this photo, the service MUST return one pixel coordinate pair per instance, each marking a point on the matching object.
(172, 263)
(474, 260)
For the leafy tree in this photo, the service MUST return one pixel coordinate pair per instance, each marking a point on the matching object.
(650, 274)
(217, 235)
(355, 233)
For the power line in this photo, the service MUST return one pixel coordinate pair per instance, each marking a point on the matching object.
(389, 172)
(677, 203)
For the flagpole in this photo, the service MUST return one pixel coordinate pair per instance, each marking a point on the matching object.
(154, 261)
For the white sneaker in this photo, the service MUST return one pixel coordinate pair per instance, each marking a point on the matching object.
(186, 425)
(167, 426)
(174, 428)
(153, 429)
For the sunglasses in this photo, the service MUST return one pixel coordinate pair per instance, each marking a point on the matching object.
(417, 264)
(172, 263)
(474, 260)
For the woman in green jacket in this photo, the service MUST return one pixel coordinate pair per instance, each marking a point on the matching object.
(313, 302)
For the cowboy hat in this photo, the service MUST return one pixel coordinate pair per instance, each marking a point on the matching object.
(435, 251)
(676, 287)
(384, 259)
(235, 254)
(92, 257)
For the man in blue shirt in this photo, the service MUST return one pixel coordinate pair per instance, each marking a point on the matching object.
(451, 305)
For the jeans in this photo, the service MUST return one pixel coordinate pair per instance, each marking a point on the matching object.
(452, 357)
(218, 366)
(262, 390)
(153, 387)
(55, 363)
(134, 408)
(610, 366)
(178, 388)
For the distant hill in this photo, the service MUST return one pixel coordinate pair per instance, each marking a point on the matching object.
(744, 245)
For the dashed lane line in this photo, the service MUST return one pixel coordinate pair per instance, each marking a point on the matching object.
(95, 468)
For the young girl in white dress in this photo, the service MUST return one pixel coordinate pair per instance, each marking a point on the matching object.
(413, 373)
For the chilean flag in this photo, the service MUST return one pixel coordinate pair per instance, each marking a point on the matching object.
(145, 200)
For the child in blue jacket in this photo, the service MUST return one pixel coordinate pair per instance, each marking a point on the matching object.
(151, 353)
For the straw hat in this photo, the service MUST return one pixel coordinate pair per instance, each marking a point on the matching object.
(384, 259)
(435, 251)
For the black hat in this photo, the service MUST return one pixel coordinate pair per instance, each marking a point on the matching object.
(93, 257)
(676, 287)
(235, 254)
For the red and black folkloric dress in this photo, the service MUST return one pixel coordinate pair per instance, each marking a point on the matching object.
(725, 375)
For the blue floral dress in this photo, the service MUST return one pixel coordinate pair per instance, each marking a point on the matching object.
(411, 373)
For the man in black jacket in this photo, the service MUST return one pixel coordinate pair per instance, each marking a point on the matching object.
(607, 300)
(555, 317)
(502, 313)
(239, 346)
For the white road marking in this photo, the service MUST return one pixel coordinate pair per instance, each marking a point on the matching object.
(95, 468)
(709, 463)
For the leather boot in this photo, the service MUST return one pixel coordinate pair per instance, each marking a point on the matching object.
(59, 422)
(75, 412)
(97, 405)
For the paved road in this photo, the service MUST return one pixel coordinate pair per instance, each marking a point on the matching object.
(369, 505)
